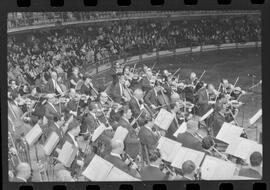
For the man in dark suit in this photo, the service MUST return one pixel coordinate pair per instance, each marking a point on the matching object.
(217, 120)
(115, 158)
(255, 169)
(204, 102)
(132, 142)
(23, 172)
(145, 82)
(187, 139)
(151, 97)
(52, 86)
(135, 103)
(90, 121)
(52, 110)
(71, 107)
(152, 172)
(72, 133)
(175, 107)
(147, 136)
(117, 90)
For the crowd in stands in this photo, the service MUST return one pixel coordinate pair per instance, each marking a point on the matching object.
(32, 53)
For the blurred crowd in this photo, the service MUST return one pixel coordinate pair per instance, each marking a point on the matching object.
(30, 54)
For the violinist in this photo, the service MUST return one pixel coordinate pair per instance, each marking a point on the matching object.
(51, 108)
(55, 126)
(152, 172)
(175, 108)
(204, 101)
(226, 87)
(71, 107)
(132, 142)
(73, 132)
(193, 79)
(218, 119)
(115, 157)
(136, 102)
(87, 87)
(117, 90)
(147, 136)
(90, 121)
(151, 97)
(145, 81)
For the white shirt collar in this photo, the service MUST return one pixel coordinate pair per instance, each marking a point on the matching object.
(21, 178)
(115, 154)
(153, 165)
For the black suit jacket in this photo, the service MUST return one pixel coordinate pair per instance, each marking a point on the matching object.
(132, 142)
(203, 102)
(249, 172)
(151, 173)
(189, 141)
(148, 138)
(151, 98)
(135, 108)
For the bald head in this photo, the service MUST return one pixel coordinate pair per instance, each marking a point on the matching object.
(23, 170)
(138, 93)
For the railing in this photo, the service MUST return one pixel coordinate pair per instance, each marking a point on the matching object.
(20, 21)
(107, 63)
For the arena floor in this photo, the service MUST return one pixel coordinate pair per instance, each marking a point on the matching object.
(221, 64)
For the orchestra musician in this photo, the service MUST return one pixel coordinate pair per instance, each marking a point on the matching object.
(147, 136)
(71, 107)
(145, 81)
(74, 78)
(175, 108)
(188, 170)
(117, 89)
(136, 101)
(132, 141)
(71, 135)
(151, 97)
(51, 109)
(204, 101)
(188, 139)
(152, 171)
(23, 172)
(90, 121)
(115, 158)
(254, 170)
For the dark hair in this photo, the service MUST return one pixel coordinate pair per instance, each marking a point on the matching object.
(172, 105)
(123, 110)
(154, 155)
(207, 142)
(255, 159)
(188, 167)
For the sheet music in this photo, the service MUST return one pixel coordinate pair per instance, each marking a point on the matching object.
(168, 148)
(184, 154)
(120, 134)
(33, 135)
(118, 175)
(243, 148)
(217, 169)
(98, 131)
(51, 143)
(98, 169)
(67, 154)
(164, 119)
(181, 129)
(229, 132)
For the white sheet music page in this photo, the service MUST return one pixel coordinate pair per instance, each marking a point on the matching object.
(229, 132)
